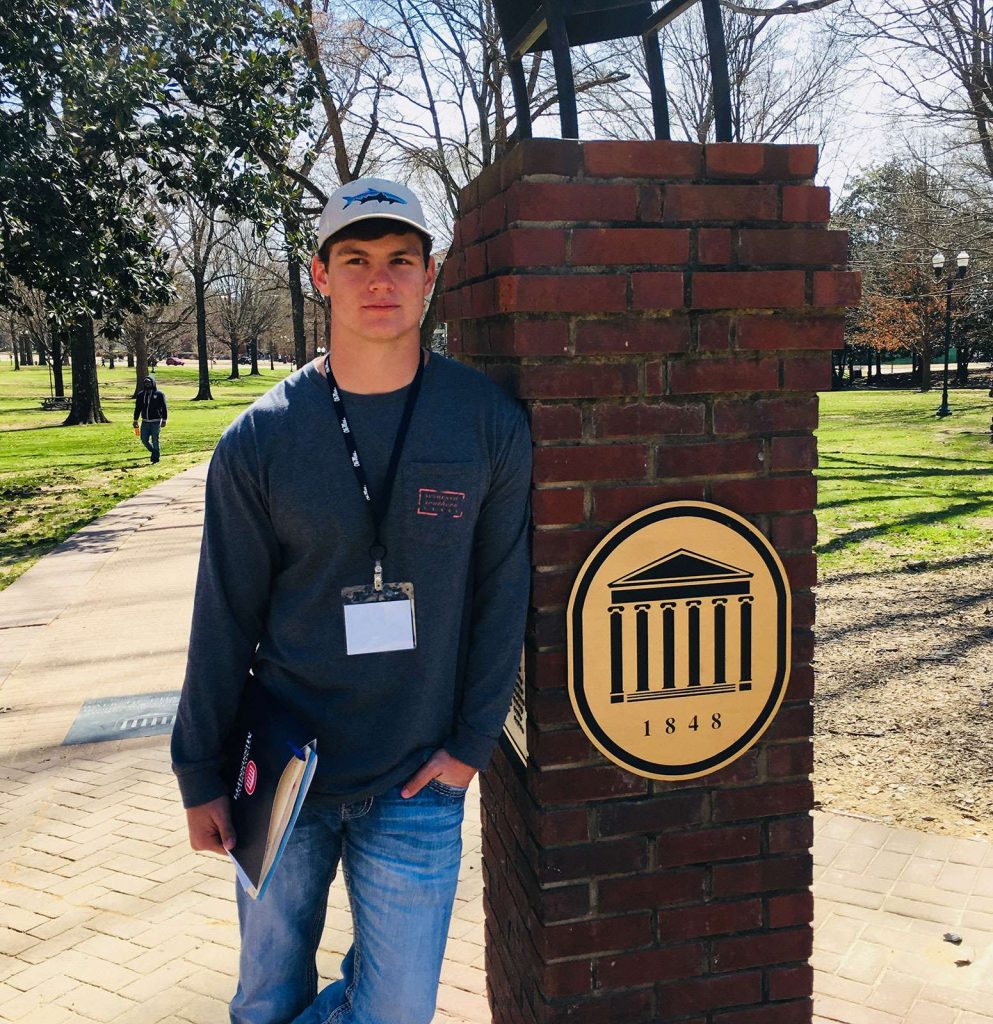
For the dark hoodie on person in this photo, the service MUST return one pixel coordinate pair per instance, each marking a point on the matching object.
(150, 404)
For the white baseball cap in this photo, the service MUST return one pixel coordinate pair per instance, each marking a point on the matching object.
(366, 198)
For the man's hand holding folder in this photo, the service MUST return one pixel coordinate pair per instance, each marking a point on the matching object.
(210, 826)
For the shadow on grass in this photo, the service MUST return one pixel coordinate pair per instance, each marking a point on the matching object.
(918, 519)
(935, 564)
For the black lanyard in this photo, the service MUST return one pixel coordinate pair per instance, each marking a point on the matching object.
(377, 508)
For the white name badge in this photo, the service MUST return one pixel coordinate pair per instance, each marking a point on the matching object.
(379, 620)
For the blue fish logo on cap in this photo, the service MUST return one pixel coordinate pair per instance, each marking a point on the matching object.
(372, 195)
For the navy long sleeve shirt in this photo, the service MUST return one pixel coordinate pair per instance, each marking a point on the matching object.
(286, 528)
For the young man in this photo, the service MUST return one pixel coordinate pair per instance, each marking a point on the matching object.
(378, 472)
(150, 405)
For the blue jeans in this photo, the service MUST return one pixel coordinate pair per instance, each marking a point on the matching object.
(400, 860)
(150, 437)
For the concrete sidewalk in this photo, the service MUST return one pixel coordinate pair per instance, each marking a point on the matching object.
(107, 915)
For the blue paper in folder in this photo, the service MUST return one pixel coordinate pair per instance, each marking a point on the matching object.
(269, 767)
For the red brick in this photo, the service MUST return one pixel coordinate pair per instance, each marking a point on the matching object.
(475, 261)
(556, 422)
(804, 611)
(792, 721)
(526, 247)
(710, 459)
(807, 374)
(837, 287)
(568, 978)
(650, 203)
(744, 768)
(795, 246)
(593, 859)
(710, 919)
(548, 669)
(468, 198)
(764, 415)
(661, 289)
(558, 506)
(759, 950)
(709, 203)
(674, 810)
(563, 157)
(636, 1007)
(785, 332)
(788, 835)
(570, 201)
(786, 911)
(748, 289)
(806, 204)
(619, 246)
(656, 159)
(734, 159)
(643, 419)
(644, 968)
(801, 684)
(793, 453)
(551, 589)
(714, 334)
(577, 785)
(564, 902)
(769, 875)
(762, 801)
(782, 494)
(711, 993)
(590, 462)
(789, 759)
(596, 936)
(662, 888)
(529, 337)
(703, 376)
(578, 380)
(802, 160)
(572, 293)
(791, 982)
(799, 1012)
(564, 746)
(563, 826)
(704, 846)
(547, 628)
(792, 533)
(492, 216)
(801, 569)
(612, 504)
(470, 226)
(632, 334)
(713, 246)
(563, 547)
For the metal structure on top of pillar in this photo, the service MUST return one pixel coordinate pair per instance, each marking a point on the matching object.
(534, 26)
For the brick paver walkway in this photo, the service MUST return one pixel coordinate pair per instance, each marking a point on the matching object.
(106, 914)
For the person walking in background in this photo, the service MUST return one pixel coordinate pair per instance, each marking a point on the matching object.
(150, 405)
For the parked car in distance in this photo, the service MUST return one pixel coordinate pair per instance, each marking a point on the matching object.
(244, 361)
(172, 361)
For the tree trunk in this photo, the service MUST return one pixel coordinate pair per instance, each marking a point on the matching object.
(879, 368)
(203, 391)
(141, 356)
(85, 389)
(296, 304)
(233, 343)
(962, 364)
(925, 382)
(130, 360)
(27, 356)
(60, 388)
(253, 351)
(13, 348)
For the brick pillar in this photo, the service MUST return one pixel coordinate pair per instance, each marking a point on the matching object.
(666, 311)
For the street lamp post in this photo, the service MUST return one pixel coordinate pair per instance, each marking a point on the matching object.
(938, 264)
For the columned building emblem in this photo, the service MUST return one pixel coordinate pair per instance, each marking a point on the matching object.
(679, 640)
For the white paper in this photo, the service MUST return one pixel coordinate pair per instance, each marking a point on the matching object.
(379, 626)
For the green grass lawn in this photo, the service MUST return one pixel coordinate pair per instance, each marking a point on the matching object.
(54, 480)
(896, 485)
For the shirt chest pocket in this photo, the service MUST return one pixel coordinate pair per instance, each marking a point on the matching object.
(441, 501)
